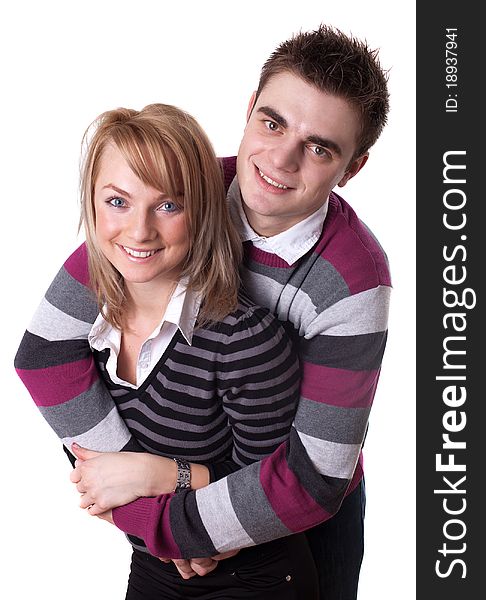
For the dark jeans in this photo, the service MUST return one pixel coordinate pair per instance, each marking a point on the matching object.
(337, 546)
(280, 570)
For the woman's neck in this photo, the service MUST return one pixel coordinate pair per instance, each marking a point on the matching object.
(147, 302)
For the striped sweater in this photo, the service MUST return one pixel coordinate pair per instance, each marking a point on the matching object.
(227, 399)
(336, 300)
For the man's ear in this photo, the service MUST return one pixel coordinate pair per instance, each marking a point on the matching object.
(354, 168)
(251, 104)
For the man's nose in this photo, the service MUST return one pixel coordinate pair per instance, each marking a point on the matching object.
(285, 155)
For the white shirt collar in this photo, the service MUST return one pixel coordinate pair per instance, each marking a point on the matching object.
(182, 311)
(289, 245)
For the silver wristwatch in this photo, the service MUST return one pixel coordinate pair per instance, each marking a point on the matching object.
(183, 481)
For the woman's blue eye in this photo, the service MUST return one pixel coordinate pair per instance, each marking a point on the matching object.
(116, 202)
(169, 206)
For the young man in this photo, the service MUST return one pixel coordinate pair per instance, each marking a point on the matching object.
(321, 103)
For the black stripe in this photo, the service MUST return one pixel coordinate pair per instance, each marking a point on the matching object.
(352, 352)
(38, 353)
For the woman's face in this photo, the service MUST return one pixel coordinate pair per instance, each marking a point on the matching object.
(140, 230)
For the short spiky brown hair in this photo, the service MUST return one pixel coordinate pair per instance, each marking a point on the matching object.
(339, 65)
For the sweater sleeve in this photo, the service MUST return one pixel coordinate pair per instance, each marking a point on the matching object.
(259, 385)
(303, 482)
(56, 364)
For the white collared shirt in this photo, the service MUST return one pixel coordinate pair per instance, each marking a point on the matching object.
(181, 313)
(289, 245)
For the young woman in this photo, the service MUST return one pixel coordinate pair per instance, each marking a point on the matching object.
(205, 380)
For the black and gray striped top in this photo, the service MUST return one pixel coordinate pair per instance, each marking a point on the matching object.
(226, 400)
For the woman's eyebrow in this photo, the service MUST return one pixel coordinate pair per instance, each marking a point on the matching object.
(117, 190)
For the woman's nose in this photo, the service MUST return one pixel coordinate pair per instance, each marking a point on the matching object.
(141, 226)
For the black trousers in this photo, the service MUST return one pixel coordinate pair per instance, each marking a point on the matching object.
(337, 546)
(280, 570)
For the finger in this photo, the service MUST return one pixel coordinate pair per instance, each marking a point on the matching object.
(83, 453)
(75, 475)
(86, 501)
(184, 568)
(203, 566)
(106, 515)
(166, 560)
(224, 555)
(81, 488)
(95, 511)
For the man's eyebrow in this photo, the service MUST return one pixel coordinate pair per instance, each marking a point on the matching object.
(273, 114)
(317, 139)
(117, 190)
(313, 139)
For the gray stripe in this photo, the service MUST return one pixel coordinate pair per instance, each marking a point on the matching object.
(251, 428)
(324, 286)
(330, 458)
(80, 414)
(258, 517)
(72, 297)
(52, 324)
(332, 423)
(262, 323)
(237, 358)
(365, 312)
(264, 287)
(177, 442)
(174, 423)
(219, 518)
(110, 435)
(270, 413)
(274, 441)
(181, 408)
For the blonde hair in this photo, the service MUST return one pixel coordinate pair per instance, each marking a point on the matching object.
(166, 149)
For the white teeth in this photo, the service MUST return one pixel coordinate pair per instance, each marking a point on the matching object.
(138, 254)
(280, 186)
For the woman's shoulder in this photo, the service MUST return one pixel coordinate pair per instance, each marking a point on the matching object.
(248, 321)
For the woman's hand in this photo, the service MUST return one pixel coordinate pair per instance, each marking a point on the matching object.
(106, 480)
(199, 566)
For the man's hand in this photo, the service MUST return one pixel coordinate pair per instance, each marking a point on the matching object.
(199, 566)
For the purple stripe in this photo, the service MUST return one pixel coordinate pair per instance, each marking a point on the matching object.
(77, 265)
(289, 499)
(266, 258)
(338, 387)
(55, 385)
(149, 519)
(349, 247)
(229, 170)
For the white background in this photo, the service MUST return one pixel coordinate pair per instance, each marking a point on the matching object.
(63, 64)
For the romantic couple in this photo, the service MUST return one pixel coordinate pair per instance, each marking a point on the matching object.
(210, 354)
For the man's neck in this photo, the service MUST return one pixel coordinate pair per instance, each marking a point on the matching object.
(268, 226)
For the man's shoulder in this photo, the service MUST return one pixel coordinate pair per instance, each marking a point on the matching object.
(229, 169)
(351, 248)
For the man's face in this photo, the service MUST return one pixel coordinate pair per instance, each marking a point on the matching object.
(297, 146)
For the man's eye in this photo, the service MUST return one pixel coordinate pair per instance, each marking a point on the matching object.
(271, 125)
(116, 202)
(319, 151)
